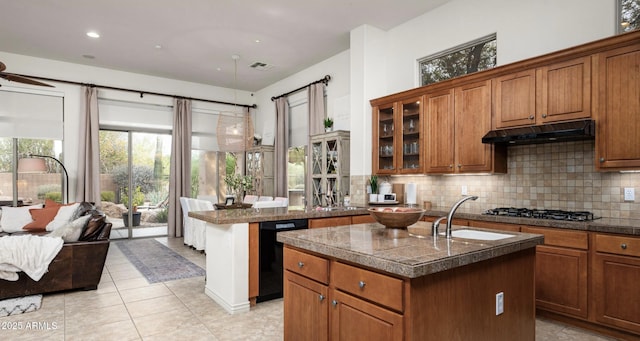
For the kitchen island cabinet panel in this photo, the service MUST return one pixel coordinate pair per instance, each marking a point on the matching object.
(356, 319)
(310, 311)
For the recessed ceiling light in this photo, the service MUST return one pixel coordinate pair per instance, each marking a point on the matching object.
(158, 46)
(218, 69)
(257, 40)
(93, 34)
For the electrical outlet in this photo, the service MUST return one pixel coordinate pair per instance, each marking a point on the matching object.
(629, 194)
(464, 190)
(499, 303)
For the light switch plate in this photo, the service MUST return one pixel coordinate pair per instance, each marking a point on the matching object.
(629, 194)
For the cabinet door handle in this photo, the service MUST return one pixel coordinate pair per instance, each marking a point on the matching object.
(459, 166)
(544, 115)
(601, 159)
(361, 284)
(321, 297)
(623, 246)
(300, 265)
(450, 166)
(334, 303)
(531, 117)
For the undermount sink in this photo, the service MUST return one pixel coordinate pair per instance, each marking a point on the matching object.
(338, 208)
(479, 235)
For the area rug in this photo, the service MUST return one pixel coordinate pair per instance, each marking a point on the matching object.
(157, 262)
(20, 305)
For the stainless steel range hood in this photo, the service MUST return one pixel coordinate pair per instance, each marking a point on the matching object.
(547, 133)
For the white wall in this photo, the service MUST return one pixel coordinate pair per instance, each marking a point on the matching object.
(92, 75)
(337, 94)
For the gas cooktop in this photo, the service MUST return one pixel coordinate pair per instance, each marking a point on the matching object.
(541, 214)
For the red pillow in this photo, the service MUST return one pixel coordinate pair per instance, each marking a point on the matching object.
(41, 217)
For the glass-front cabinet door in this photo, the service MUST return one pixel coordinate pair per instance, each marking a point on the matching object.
(384, 161)
(398, 137)
(411, 137)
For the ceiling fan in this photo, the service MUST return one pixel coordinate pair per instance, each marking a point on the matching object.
(15, 78)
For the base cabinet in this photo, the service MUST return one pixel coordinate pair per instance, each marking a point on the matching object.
(308, 306)
(356, 319)
(616, 274)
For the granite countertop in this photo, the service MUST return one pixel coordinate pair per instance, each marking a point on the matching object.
(254, 215)
(607, 225)
(409, 253)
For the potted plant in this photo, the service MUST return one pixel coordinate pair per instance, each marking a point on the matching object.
(328, 124)
(137, 200)
(373, 183)
(237, 184)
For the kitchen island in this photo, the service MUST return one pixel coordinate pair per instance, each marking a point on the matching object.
(373, 283)
(232, 249)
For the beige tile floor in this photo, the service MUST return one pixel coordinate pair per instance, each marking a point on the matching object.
(126, 307)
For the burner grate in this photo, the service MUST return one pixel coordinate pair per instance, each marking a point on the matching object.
(541, 214)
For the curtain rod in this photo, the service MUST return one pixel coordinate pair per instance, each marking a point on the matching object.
(141, 92)
(324, 80)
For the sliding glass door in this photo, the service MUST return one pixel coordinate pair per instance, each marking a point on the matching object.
(135, 181)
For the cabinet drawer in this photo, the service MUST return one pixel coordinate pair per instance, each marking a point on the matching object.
(375, 287)
(562, 238)
(621, 245)
(329, 222)
(306, 265)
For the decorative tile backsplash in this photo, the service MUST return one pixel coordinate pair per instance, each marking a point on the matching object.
(550, 176)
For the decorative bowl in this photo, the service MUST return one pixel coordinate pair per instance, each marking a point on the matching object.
(396, 217)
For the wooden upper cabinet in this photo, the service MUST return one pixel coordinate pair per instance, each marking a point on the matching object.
(473, 121)
(618, 113)
(564, 91)
(514, 99)
(557, 92)
(456, 120)
(439, 129)
(398, 137)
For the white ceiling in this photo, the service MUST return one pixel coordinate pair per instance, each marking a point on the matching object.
(197, 36)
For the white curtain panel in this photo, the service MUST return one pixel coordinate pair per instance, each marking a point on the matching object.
(281, 146)
(180, 178)
(88, 185)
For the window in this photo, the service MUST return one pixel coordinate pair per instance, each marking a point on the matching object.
(628, 15)
(474, 56)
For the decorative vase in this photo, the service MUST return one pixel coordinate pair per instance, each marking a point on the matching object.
(328, 129)
(239, 198)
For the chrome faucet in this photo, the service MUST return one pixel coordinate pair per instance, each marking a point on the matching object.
(449, 217)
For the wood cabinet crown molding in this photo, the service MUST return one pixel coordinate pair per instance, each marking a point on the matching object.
(569, 53)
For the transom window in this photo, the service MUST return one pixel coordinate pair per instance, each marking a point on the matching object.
(471, 57)
(628, 15)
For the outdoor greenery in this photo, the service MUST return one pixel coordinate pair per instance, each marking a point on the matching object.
(156, 197)
(459, 61)
(142, 177)
(138, 197)
(629, 15)
(108, 196)
(25, 146)
(43, 190)
(55, 196)
(163, 215)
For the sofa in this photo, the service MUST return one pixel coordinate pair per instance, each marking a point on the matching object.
(78, 265)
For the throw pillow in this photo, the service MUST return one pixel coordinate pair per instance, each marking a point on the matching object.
(93, 228)
(70, 232)
(41, 217)
(51, 203)
(63, 216)
(14, 218)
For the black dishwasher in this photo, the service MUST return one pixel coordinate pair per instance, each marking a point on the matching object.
(270, 260)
